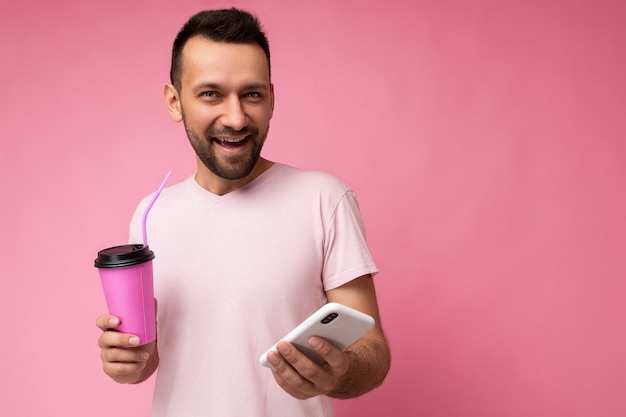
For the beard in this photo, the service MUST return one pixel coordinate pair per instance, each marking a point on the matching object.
(233, 167)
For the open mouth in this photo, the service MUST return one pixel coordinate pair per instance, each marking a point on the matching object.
(231, 142)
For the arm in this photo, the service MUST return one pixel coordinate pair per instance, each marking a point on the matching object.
(359, 369)
(369, 357)
(122, 359)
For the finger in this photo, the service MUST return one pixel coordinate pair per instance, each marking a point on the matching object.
(288, 378)
(295, 357)
(336, 359)
(118, 362)
(297, 370)
(308, 377)
(115, 354)
(107, 322)
(282, 382)
(121, 368)
(112, 338)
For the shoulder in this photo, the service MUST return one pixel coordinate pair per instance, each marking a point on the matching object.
(172, 194)
(313, 180)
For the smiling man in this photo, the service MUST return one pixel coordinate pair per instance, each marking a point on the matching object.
(226, 100)
(245, 250)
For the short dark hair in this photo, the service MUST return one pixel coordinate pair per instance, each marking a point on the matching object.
(226, 25)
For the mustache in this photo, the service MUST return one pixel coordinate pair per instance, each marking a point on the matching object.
(227, 131)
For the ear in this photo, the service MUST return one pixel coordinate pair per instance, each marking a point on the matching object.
(172, 102)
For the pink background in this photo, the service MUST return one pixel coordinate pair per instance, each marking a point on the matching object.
(485, 140)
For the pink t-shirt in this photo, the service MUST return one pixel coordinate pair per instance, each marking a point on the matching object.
(233, 274)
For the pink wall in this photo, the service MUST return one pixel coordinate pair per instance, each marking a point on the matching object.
(486, 141)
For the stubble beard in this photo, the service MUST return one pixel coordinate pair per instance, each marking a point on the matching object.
(235, 167)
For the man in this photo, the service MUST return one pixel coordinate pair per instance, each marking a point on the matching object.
(245, 250)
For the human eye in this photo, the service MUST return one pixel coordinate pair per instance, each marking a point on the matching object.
(208, 94)
(253, 96)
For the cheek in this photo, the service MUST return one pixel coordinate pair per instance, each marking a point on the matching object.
(199, 119)
(261, 116)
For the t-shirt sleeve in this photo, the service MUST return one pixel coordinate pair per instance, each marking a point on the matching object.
(347, 255)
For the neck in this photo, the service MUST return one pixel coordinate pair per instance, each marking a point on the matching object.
(220, 186)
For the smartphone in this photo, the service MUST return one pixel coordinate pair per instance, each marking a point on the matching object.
(338, 324)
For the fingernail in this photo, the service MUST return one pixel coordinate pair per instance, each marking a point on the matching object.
(145, 356)
(316, 343)
(114, 321)
(273, 358)
(284, 349)
(133, 341)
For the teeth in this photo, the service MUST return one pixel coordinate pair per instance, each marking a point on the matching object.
(231, 140)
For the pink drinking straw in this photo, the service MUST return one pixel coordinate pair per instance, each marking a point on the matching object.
(145, 213)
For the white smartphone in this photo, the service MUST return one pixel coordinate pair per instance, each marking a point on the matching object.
(338, 324)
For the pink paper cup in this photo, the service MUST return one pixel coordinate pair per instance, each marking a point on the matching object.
(126, 277)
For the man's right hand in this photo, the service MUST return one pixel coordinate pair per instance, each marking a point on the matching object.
(122, 358)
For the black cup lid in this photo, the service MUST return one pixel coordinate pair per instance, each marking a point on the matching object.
(124, 255)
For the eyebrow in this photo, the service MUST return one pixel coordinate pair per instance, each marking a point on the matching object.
(217, 86)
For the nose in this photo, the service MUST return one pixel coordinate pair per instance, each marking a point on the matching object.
(234, 115)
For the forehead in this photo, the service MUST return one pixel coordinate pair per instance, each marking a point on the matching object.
(204, 58)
